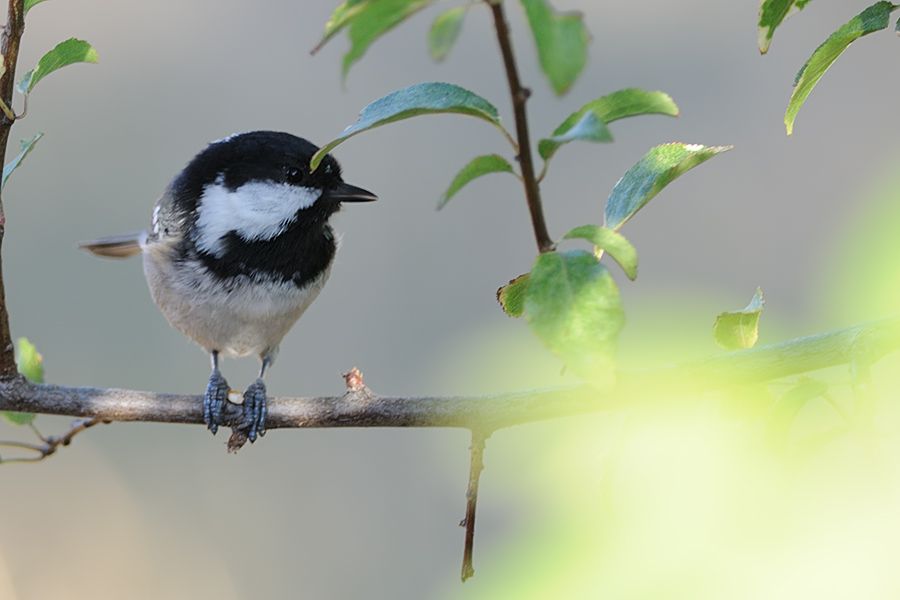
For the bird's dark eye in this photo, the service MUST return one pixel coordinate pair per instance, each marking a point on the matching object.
(293, 174)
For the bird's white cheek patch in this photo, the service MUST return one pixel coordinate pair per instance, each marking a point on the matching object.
(255, 211)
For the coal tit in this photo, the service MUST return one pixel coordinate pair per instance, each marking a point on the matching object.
(238, 248)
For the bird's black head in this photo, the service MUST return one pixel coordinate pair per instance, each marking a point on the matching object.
(264, 157)
(251, 204)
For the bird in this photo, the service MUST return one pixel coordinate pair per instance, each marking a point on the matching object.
(239, 246)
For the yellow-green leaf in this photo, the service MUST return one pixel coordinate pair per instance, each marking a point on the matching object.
(874, 18)
(65, 53)
(512, 296)
(31, 365)
(574, 307)
(739, 329)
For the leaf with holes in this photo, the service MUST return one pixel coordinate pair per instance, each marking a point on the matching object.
(874, 18)
(630, 102)
(26, 146)
(477, 167)
(444, 32)
(658, 168)
(31, 366)
(573, 305)
(512, 296)
(771, 15)
(416, 100)
(613, 242)
(739, 329)
(562, 41)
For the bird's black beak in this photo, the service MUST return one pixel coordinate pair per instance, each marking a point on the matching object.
(344, 192)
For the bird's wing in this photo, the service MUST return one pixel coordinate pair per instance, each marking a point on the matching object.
(116, 246)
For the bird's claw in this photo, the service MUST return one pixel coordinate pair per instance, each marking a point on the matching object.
(214, 401)
(255, 410)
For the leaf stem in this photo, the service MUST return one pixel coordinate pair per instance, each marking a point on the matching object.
(9, 48)
(520, 95)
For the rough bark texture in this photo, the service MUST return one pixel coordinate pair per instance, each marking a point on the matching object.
(9, 47)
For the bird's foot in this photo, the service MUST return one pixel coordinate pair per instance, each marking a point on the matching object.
(214, 401)
(255, 410)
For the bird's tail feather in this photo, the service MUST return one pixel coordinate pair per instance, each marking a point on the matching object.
(115, 246)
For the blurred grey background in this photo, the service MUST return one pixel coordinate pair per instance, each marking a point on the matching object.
(155, 511)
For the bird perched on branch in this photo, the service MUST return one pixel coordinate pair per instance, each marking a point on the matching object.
(238, 248)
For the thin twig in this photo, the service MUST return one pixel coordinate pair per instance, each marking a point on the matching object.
(49, 445)
(476, 466)
(520, 95)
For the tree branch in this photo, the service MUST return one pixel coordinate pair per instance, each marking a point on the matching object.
(520, 95)
(9, 47)
(359, 407)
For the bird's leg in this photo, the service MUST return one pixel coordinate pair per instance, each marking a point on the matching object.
(255, 404)
(216, 394)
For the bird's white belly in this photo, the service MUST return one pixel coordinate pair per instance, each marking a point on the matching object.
(244, 317)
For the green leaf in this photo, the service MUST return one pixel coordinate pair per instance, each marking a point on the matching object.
(562, 41)
(339, 19)
(874, 18)
(445, 31)
(374, 19)
(25, 148)
(18, 418)
(573, 305)
(607, 240)
(740, 329)
(419, 99)
(625, 103)
(771, 14)
(31, 366)
(621, 104)
(479, 166)
(29, 4)
(657, 169)
(29, 361)
(512, 296)
(588, 129)
(65, 53)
